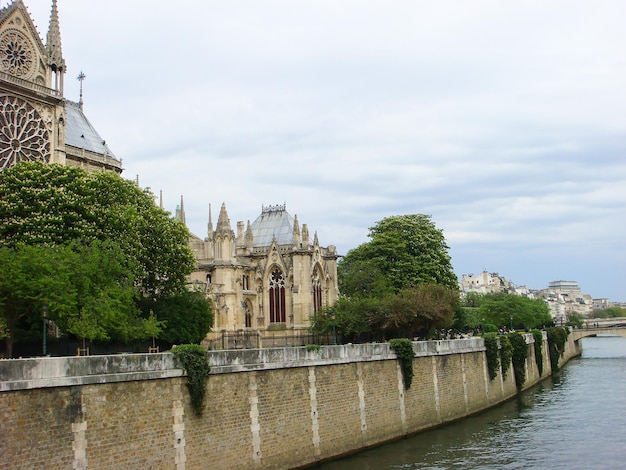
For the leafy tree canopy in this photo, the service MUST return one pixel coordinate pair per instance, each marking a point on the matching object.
(87, 246)
(187, 317)
(514, 310)
(49, 204)
(611, 312)
(404, 251)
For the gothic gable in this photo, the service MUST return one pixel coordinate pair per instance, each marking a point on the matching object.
(22, 52)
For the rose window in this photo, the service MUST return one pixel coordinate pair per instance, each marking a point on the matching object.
(16, 54)
(23, 133)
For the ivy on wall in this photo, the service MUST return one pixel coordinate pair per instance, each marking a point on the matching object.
(492, 353)
(538, 337)
(403, 347)
(557, 337)
(193, 359)
(520, 353)
(506, 354)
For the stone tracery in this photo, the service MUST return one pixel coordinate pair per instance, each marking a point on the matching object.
(16, 54)
(23, 133)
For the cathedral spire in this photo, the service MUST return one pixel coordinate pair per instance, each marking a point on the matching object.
(210, 225)
(223, 222)
(182, 211)
(54, 49)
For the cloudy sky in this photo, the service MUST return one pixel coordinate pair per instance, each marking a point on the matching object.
(504, 121)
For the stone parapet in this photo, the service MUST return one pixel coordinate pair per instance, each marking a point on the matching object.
(42, 372)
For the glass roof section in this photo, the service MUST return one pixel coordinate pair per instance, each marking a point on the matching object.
(274, 221)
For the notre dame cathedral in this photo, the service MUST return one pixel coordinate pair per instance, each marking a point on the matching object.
(269, 276)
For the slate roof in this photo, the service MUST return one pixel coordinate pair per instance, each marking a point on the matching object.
(81, 134)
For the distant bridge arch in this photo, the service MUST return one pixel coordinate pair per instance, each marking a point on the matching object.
(617, 330)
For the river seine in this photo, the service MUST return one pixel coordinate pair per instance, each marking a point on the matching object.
(575, 420)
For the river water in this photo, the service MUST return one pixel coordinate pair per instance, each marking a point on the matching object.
(575, 420)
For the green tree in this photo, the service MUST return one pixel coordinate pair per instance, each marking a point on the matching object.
(105, 303)
(611, 312)
(52, 204)
(351, 318)
(149, 258)
(32, 278)
(514, 311)
(187, 317)
(361, 278)
(422, 307)
(405, 250)
(575, 319)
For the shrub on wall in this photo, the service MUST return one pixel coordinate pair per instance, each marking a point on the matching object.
(557, 337)
(193, 359)
(506, 354)
(538, 337)
(492, 354)
(403, 347)
(520, 353)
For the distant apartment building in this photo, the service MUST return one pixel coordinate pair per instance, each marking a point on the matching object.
(485, 283)
(564, 299)
(601, 304)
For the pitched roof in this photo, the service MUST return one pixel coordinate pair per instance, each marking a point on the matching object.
(81, 134)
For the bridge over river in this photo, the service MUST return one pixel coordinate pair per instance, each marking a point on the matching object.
(608, 326)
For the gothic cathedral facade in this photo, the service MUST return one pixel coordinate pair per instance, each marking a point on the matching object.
(269, 276)
(36, 122)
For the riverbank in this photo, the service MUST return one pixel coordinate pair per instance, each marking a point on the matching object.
(269, 408)
(567, 421)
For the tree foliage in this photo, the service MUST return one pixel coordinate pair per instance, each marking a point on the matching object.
(399, 282)
(187, 317)
(99, 245)
(422, 307)
(404, 251)
(514, 311)
(43, 204)
(32, 278)
(610, 312)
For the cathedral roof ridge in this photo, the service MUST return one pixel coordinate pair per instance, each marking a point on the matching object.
(275, 208)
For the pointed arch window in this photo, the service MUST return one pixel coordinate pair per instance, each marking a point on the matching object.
(277, 297)
(317, 290)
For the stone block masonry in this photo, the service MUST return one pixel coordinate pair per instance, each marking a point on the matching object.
(265, 409)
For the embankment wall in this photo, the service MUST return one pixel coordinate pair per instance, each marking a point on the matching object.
(264, 409)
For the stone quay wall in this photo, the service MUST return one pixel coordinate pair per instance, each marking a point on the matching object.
(264, 409)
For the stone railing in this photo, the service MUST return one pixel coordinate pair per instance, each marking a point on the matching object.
(21, 374)
(28, 84)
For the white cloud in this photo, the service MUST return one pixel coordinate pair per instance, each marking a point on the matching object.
(504, 121)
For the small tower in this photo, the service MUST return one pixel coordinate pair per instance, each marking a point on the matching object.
(224, 239)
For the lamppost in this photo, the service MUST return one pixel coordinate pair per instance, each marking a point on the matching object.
(332, 316)
(44, 311)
